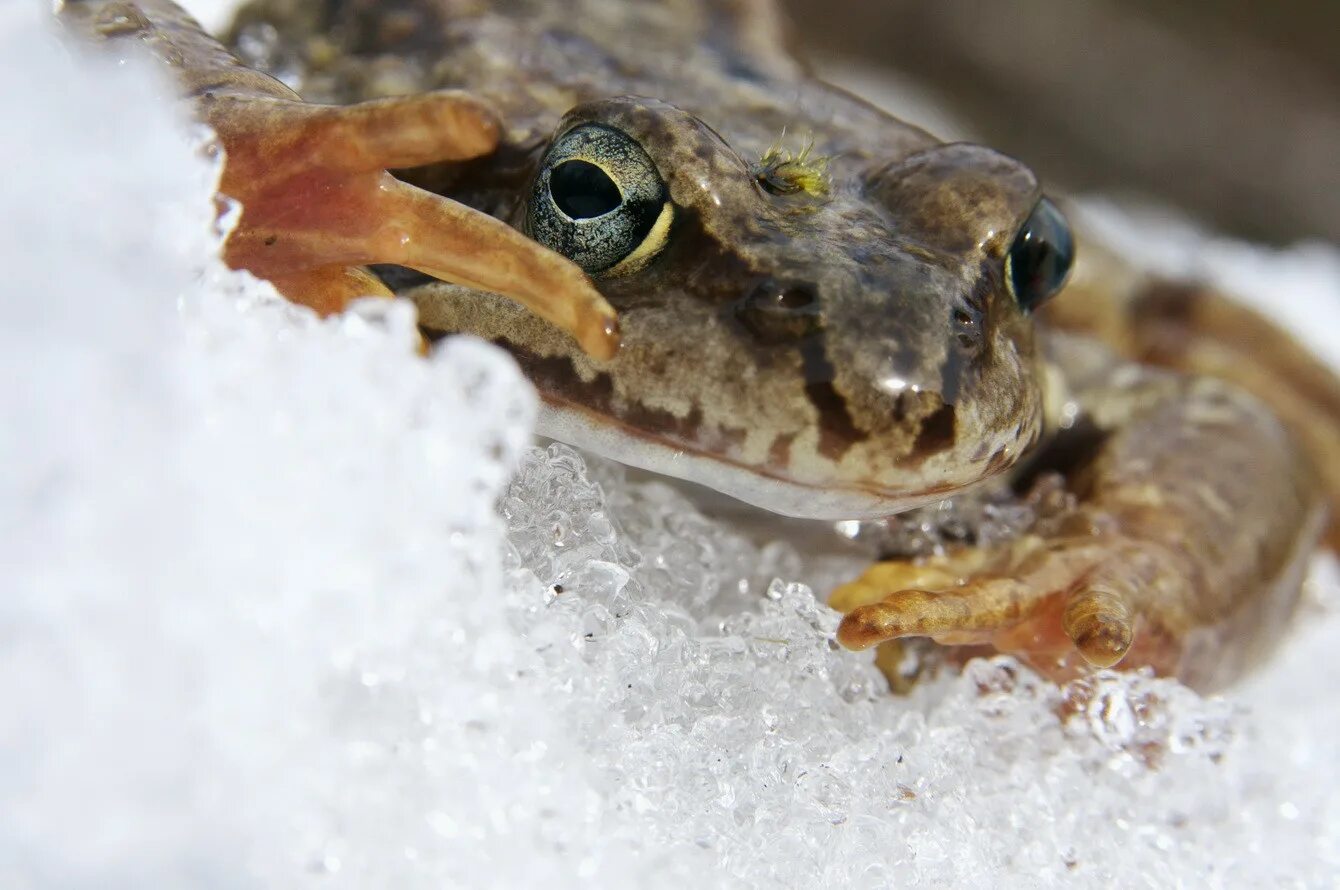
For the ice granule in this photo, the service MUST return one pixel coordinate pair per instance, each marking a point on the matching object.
(995, 777)
(274, 615)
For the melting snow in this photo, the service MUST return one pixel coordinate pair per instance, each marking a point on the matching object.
(274, 615)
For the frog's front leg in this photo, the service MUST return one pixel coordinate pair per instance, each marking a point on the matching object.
(317, 200)
(1184, 551)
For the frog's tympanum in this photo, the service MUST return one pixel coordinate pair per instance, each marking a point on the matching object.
(824, 311)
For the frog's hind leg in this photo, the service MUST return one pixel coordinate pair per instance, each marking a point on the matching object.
(1184, 552)
(1193, 328)
(317, 200)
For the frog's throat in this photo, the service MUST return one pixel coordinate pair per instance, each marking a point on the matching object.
(753, 485)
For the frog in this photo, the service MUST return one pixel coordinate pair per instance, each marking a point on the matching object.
(712, 265)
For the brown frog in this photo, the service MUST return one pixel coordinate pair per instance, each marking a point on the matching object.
(825, 312)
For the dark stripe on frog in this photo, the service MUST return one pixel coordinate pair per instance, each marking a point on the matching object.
(556, 377)
(838, 431)
(937, 433)
(779, 453)
(935, 429)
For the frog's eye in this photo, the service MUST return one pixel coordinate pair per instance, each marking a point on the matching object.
(1041, 256)
(599, 201)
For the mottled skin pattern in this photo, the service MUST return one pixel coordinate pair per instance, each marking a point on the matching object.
(917, 375)
(857, 352)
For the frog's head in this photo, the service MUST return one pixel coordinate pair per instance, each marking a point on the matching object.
(840, 342)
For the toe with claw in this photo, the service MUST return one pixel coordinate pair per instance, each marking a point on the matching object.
(1060, 604)
(1183, 551)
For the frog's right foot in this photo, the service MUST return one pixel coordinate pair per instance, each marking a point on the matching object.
(318, 204)
(1184, 551)
(1061, 604)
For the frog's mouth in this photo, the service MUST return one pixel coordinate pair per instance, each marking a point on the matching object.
(759, 486)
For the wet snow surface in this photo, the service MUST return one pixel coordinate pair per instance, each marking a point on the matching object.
(274, 615)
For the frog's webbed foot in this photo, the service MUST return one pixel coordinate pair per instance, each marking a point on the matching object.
(1184, 549)
(317, 201)
(1043, 599)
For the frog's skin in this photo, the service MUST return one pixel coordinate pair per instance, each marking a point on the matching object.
(848, 348)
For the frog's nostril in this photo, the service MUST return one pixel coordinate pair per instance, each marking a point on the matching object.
(789, 297)
(967, 329)
(776, 312)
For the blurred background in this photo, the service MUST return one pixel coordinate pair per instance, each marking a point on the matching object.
(1229, 109)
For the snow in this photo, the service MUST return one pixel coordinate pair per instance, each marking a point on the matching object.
(286, 605)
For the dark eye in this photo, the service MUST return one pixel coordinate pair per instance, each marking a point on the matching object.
(1041, 256)
(600, 201)
(582, 190)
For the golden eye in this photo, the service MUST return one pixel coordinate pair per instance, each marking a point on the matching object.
(600, 201)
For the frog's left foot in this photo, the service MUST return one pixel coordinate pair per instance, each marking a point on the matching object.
(1184, 552)
(1043, 600)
